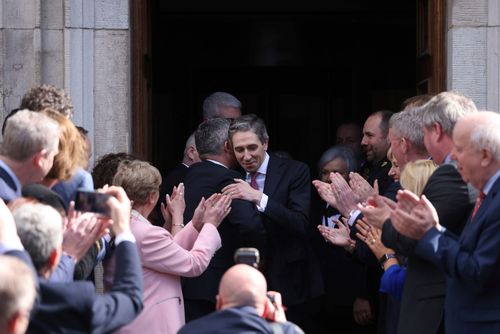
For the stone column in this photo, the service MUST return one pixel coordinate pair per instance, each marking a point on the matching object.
(473, 39)
(80, 45)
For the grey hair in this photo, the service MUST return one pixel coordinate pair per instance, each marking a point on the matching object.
(217, 100)
(408, 124)
(17, 287)
(211, 136)
(27, 133)
(338, 151)
(40, 229)
(190, 142)
(447, 108)
(249, 122)
(487, 136)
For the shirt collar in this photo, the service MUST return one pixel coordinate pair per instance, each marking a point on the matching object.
(487, 187)
(216, 162)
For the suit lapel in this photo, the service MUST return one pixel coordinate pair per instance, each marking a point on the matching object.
(272, 175)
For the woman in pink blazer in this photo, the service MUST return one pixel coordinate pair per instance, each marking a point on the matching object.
(165, 258)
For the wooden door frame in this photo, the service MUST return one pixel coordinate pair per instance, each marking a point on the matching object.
(141, 79)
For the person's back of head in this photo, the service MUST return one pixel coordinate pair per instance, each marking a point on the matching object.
(139, 179)
(211, 137)
(106, 167)
(28, 133)
(48, 96)
(40, 229)
(17, 295)
(72, 148)
(408, 124)
(416, 101)
(446, 109)
(221, 104)
(242, 285)
(191, 154)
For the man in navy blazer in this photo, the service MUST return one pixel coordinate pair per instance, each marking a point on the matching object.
(75, 307)
(280, 189)
(244, 306)
(471, 261)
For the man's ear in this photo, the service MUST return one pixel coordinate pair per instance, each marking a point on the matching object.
(191, 152)
(266, 144)
(405, 145)
(37, 157)
(438, 131)
(218, 303)
(486, 157)
(54, 258)
(227, 146)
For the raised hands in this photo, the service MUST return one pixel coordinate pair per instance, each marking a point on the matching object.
(345, 198)
(337, 236)
(325, 192)
(413, 216)
(377, 210)
(173, 208)
(371, 236)
(211, 211)
(361, 187)
(81, 231)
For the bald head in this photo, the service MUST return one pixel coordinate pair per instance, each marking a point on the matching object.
(242, 285)
(476, 147)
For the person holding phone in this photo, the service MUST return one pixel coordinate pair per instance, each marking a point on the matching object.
(244, 305)
(164, 257)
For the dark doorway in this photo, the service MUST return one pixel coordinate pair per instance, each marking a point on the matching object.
(303, 69)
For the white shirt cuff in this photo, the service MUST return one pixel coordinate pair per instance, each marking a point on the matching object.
(352, 218)
(263, 203)
(125, 236)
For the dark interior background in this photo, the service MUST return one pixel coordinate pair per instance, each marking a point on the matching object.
(303, 68)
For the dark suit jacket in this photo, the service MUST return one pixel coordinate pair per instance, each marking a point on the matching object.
(172, 179)
(424, 291)
(472, 265)
(236, 320)
(242, 227)
(75, 307)
(8, 188)
(292, 268)
(342, 274)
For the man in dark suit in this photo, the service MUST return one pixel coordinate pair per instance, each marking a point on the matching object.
(244, 306)
(75, 307)
(242, 227)
(280, 189)
(425, 286)
(470, 261)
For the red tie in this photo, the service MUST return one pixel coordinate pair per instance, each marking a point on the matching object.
(253, 180)
(479, 201)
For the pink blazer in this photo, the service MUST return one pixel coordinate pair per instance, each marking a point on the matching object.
(164, 260)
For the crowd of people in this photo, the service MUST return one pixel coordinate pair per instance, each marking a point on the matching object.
(395, 234)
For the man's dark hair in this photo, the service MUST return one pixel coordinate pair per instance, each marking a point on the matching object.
(211, 136)
(105, 169)
(385, 116)
(249, 122)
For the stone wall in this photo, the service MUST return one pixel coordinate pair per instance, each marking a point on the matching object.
(80, 45)
(473, 50)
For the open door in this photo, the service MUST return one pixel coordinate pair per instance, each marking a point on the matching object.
(431, 23)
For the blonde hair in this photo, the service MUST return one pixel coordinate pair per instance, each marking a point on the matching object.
(72, 148)
(139, 179)
(415, 174)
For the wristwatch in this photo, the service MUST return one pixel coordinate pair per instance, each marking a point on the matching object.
(383, 259)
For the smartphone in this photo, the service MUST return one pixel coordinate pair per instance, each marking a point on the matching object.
(91, 201)
(247, 255)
